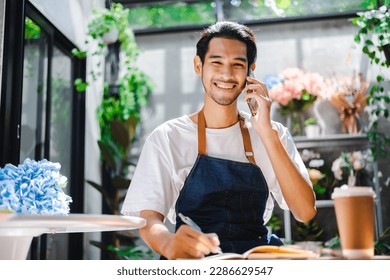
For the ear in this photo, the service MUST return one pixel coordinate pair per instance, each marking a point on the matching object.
(197, 65)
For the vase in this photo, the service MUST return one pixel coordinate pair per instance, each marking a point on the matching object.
(295, 123)
(312, 131)
(111, 36)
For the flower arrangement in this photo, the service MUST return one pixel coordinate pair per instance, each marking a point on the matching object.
(295, 90)
(350, 164)
(33, 188)
(348, 95)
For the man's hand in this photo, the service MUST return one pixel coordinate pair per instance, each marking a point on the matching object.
(188, 243)
(258, 91)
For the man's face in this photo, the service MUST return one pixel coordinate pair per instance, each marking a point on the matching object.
(224, 70)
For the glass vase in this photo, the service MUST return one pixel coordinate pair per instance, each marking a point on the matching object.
(294, 123)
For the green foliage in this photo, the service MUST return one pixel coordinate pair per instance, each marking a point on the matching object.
(80, 85)
(310, 121)
(382, 245)
(135, 86)
(375, 24)
(133, 252)
(118, 116)
(333, 243)
(310, 231)
(31, 30)
(122, 134)
(163, 15)
(275, 223)
(79, 54)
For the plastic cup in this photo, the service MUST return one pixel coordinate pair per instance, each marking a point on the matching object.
(354, 208)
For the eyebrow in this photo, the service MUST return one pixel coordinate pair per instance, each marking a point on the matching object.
(243, 59)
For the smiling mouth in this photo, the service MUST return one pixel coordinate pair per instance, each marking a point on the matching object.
(224, 86)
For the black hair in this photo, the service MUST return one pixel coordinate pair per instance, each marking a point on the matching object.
(229, 30)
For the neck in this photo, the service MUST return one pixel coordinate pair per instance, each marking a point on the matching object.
(218, 116)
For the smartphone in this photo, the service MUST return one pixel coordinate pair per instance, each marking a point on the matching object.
(252, 104)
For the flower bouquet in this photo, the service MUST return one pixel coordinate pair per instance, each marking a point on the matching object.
(33, 188)
(295, 91)
(348, 96)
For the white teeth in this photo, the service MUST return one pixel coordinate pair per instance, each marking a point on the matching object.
(224, 86)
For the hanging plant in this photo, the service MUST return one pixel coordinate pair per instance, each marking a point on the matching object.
(118, 116)
(374, 35)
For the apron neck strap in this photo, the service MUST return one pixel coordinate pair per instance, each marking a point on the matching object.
(244, 132)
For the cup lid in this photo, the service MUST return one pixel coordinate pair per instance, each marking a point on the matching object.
(345, 191)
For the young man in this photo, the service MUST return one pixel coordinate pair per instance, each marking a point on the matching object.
(214, 167)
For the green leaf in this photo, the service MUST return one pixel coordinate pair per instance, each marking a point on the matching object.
(79, 54)
(120, 183)
(107, 155)
(120, 133)
(80, 85)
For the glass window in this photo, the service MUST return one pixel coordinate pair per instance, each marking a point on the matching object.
(278, 9)
(34, 92)
(169, 14)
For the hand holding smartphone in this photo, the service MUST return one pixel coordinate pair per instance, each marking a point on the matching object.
(252, 103)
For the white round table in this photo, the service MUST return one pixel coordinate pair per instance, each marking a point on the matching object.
(17, 231)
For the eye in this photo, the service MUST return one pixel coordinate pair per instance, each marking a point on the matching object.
(239, 65)
(216, 62)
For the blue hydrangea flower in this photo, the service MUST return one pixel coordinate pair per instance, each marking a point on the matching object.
(34, 188)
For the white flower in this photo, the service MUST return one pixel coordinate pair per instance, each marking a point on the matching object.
(315, 163)
(336, 168)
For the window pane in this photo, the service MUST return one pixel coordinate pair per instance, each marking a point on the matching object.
(170, 14)
(60, 136)
(274, 9)
(34, 92)
(184, 13)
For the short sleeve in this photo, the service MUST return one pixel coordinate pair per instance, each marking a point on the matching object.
(151, 185)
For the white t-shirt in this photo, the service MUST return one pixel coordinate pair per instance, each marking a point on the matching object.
(171, 150)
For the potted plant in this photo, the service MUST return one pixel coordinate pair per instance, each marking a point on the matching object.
(374, 35)
(312, 129)
(105, 24)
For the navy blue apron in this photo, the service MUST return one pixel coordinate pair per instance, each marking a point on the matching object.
(227, 197)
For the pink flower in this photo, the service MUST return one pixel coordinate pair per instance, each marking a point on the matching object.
(295, 82)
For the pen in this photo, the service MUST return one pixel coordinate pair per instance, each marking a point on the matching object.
(188, 221)
(191, 223)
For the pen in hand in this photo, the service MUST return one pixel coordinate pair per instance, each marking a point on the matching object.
(191, 223)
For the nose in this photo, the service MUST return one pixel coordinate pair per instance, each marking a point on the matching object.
(226, 72)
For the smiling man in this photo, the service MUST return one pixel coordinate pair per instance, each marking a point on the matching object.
(218, 166)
